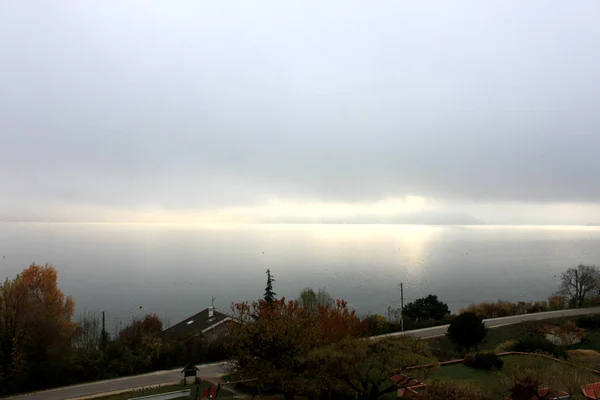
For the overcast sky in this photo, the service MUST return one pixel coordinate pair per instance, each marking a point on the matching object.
(140, 110)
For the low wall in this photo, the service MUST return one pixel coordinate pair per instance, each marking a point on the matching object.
(504, 354)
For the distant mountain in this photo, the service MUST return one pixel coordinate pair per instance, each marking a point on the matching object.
(424, 218)
(435, 218)
(7, 218)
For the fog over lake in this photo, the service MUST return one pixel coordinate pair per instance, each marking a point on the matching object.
(175, 270)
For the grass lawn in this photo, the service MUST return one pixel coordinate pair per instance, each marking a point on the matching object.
(490, 381)
(444, 350)
(164, 389)
(459, 372)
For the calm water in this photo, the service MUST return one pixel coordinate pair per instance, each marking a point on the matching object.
(175, 270)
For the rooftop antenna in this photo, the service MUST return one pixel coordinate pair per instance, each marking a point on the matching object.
(213, 302)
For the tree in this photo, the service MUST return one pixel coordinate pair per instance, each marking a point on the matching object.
(149, 325)
(269, 293)
(12, 330)
(48, 318)
(377, 325)
(143, 340)
(272, 340)
(466, 330)
(363, 367)
(311, 300)
(36, 329)
(426, 308)
(88, 333)
(577, 283)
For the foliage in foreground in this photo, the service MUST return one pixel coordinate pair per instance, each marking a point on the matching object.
(362, 367)
(293, 350)
(274, 339)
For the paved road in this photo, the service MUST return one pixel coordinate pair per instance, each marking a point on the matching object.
(88, 389)
(213, 370)
(496, 322)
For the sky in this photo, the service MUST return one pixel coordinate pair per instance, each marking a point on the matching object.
(237, 111)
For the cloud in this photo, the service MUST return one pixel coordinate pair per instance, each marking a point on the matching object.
(195, 107)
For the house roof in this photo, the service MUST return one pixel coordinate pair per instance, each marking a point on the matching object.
(409, 393)
(197, 323)
(592, 390)
(190, 366)
(554, 394)
(403, 380)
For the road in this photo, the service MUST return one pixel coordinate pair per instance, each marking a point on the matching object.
(88, 389)
(214, 370)
(496, 322)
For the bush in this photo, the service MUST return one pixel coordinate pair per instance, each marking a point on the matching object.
(504, 346)
(592, 301)
(533, 327)
(589, 322)
(466, 330)
(501, 308)
(377, 325)
(469, 359)
(537, 343)
(538, 306)
(569, 334)
(487, 361)
(556, 303)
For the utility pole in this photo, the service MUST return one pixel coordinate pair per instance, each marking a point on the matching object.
(401, 307)
(103, 334)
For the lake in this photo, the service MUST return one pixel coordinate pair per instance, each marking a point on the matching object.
(175, 270)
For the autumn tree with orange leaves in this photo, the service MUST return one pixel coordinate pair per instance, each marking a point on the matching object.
(12, 329)
(270, 341)
(36, 324)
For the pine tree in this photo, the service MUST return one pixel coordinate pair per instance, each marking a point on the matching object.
(269, 293)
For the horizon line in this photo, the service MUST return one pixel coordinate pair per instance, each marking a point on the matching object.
(482, 224)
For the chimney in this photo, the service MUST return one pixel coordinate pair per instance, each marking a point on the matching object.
(211, 312)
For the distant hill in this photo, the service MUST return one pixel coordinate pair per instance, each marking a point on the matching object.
(433, 218)
(425, 218)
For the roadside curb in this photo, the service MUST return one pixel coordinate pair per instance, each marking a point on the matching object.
(97, 395)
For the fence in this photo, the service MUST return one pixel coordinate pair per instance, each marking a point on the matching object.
(166, 396)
